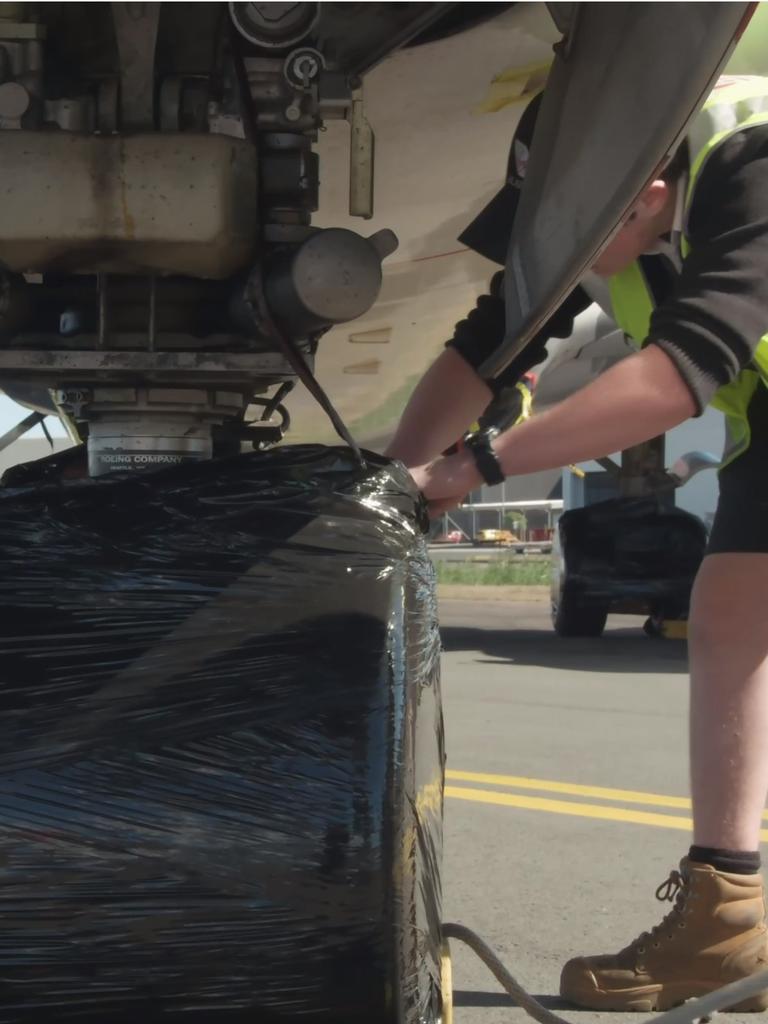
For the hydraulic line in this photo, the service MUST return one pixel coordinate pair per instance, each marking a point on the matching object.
(694, 1010)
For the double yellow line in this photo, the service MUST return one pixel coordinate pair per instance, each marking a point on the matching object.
(605, 812)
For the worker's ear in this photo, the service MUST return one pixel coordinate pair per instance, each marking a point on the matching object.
(651, 200)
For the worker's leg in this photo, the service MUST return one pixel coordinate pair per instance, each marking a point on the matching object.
(716, 931)
(728, 650)
(728, 647)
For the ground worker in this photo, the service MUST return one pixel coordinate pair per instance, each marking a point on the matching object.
(688, 279)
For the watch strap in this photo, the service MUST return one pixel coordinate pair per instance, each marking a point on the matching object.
(485, 457)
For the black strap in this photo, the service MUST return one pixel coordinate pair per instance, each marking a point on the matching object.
(296, 358)
(485, 457)
(254, 297)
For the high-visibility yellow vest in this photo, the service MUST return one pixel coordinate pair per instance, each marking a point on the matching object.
(736, 103)
(526, 404)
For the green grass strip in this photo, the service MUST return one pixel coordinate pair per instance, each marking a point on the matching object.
(494, 574)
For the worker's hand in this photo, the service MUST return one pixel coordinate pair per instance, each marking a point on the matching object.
(446, 481)
(436, 508)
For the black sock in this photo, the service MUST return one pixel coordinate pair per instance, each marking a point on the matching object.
(737, 862)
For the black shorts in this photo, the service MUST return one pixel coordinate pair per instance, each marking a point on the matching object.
(741, 520)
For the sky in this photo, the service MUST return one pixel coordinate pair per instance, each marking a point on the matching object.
(11, 412)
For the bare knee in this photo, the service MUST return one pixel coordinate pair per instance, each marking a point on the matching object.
(728, 607)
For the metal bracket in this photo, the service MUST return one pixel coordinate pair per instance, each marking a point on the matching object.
(105, 365)
(136, 26)
(609, 466)
(67, 420)
(361, 159)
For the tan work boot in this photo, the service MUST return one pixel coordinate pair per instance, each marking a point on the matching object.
(714, 934)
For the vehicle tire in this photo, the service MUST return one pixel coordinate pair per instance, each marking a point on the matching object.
(652, 627)
(572, 618)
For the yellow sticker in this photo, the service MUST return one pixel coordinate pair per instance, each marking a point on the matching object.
(514, 85)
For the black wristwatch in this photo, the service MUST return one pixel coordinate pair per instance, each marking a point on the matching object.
(485, 457)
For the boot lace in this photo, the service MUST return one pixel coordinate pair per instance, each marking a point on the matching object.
(674, 889)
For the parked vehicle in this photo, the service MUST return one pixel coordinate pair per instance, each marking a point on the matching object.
(630, 555)
(451, 537)
(502, 537)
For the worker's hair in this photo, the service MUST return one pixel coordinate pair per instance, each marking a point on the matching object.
(677, 163)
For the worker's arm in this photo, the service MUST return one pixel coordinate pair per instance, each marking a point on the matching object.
(637, 399)
(699, 339)
(712, 323)
(453, 395)
(448, 398)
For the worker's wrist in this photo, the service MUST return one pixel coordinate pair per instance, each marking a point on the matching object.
(487, 463)
(463, 469)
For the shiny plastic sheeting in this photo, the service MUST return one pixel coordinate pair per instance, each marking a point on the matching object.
(631, 554)
(221, 763)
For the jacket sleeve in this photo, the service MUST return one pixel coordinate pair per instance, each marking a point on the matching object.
(718, 311)
(483, 330)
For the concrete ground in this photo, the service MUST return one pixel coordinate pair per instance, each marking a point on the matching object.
(560, 854)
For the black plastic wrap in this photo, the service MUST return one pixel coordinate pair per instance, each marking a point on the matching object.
(221, 754)
(631, 554)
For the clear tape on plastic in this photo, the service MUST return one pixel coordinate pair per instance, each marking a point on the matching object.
(221, 756)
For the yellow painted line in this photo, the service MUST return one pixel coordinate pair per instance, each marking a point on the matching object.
(538, 803)
(627, 796)
(577, 810)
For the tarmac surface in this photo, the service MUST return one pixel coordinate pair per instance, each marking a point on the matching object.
(566, 799)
